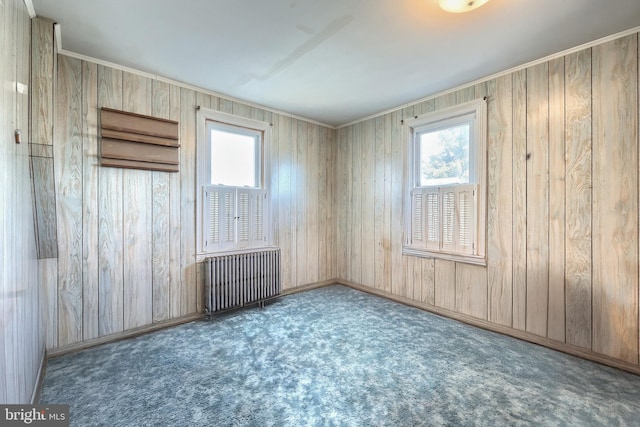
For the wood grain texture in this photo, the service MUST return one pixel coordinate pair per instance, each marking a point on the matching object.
(368, 202)
(8, 366)
(295, 194)
(325, 205)
(137, 216)
(301, 220)
(136, 137)
(341, 202)
(387, 240)
(395, 202)
(22, 326)
(380, 251)
(284, 199)
(188, 297)
(578, 198)
(407, 262)
(138, 165)
(311, 203)
(519, 199)
(132, 120)
(48, 274)
(615, 199)
(500, 201)
(556, 304)
(358, 177)
(445, 284)
(137, 228)
(471, 290)
(428, 277)
(45, 206)
(90, 262)
(161, 207)
(68, 171)
(41, 132)
(175, 227)
(355, 225)
(110, 220)
(466, 94)
(344, 221)
(273, 178)
(332, 161)
(147, 153)
(537, 211)
(42, 62)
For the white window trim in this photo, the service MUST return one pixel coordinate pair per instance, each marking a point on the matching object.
(204, 115)
(443, 118)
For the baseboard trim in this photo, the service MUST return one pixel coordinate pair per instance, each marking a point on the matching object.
(504, 330)
(143, 330)
(483, 324)
(37, 387)
(167, 324)
(309, 287)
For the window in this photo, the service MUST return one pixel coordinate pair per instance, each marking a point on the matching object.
(232, 201)
(447, 181)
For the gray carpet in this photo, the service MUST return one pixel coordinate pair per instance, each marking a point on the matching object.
(336, 357)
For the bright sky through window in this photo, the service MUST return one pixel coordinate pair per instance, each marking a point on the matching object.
(233, 159)
(444, 156)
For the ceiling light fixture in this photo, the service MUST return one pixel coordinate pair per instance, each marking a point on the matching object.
(460, 6)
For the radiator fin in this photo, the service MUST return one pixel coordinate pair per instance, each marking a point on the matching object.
(239, 279)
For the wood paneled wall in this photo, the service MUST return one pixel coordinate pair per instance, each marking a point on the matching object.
(562, 228)
(563, 194)
(21, 322)
(126, 238)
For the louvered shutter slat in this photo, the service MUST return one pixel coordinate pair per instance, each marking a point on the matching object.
(214, 217)
(465, 196)
(243, 216)
(417, 221)
(258, 213)
(448, 219)
(433, 219)
(229, 216)
(233, 217)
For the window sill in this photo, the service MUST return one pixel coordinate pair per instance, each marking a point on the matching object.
(423, 253)
(201, 256)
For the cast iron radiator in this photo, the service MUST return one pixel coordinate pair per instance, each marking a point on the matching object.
(238, 279)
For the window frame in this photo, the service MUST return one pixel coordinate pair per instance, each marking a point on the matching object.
(203, 163)
(474, 112)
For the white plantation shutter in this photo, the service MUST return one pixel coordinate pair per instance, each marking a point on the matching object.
(228, 218)
(233, 217)
(444, 218)
(243, 217)
(448, 198)
(417, 218)
(250, 217)
(256, 224)
(213, 200)
(433, 218)
(219, 217)
(465, 203)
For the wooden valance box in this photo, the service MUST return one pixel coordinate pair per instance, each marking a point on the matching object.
(135, 141)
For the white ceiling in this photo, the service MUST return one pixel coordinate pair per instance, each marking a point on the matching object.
(333, 61)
